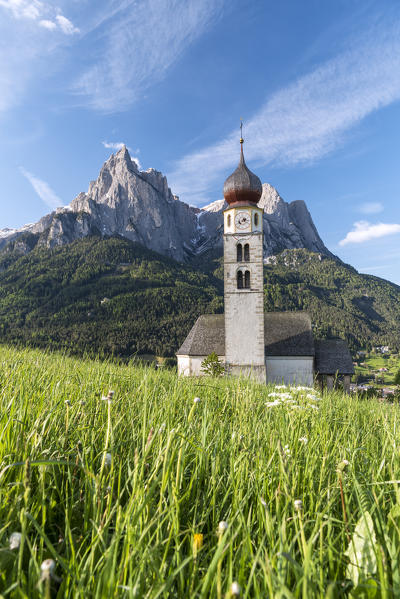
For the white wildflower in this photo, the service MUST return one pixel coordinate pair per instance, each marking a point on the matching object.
(286, 451)
(342, 466)
(280, 386)
(235, 589)
(108, 459)
(302, 388)
(222, 526)
(285, 395)
(47, 568)
(273, 403)
(313, 397)
(313, 407)
(109, 396)
(298, 505)
(15, 540)
(196, 400)
(273, 394)
(67, 402)
(162, 427)
(263, 501)
(303, 440)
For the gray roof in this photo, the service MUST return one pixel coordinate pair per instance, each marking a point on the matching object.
(206, 336)
(332, 356)
(286, 334)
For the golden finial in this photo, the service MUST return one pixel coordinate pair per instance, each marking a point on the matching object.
(241, 130)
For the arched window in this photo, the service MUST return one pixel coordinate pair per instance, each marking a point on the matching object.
(256, 218)
(240, 279)
(228, 220)
(247, 253)
(239, 253)
(247, 279)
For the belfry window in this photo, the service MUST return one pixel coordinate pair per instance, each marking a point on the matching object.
(240, 279)
(247, 279)
(239, 252)
(255, 218)
(247, 253)
(228, 220)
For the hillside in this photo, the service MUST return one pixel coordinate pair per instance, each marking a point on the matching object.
(105, 296)
(173, 489)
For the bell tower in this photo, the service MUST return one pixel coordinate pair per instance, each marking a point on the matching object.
(243, 274)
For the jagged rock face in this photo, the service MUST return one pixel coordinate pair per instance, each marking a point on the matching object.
(140, 206)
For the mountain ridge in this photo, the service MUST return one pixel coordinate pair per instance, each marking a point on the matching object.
(139, 206)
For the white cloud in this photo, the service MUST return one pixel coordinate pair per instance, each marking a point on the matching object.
(364, 231)
(141, 42)
(43, 190)
(114, 145)
(35, 10)
(24, 9)
(370, 208)
(21, 63)
(50, 25)
(308, 118)
(66, 26)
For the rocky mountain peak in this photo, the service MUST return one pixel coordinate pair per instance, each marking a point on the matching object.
(140, 206)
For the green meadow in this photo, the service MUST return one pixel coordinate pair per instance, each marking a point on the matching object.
(151, 493)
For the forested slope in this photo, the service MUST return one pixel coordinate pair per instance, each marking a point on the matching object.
(114, 296)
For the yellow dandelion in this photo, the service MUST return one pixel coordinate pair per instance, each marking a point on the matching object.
(197, 543)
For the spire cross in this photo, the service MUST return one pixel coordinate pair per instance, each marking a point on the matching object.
(241, 131)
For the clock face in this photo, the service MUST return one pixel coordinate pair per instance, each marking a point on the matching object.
(242, 220)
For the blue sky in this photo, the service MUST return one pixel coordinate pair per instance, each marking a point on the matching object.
(316, 82)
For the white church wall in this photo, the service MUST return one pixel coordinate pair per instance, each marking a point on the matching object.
(183, 365)
(290, 370)
(191, 365)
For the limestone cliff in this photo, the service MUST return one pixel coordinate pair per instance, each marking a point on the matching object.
(140, 206)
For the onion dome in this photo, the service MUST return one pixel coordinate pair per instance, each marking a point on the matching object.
(242, 186)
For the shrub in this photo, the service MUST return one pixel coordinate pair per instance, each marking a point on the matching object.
(212, 365)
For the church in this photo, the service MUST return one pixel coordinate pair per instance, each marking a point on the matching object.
(274, 347)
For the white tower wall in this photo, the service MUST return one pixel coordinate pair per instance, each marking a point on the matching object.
(244, 308)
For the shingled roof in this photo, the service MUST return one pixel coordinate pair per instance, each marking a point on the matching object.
(206, 336)
(332, 356)
(286, 334)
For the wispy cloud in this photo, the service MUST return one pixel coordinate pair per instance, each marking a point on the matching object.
(364, 231)
(35, 25)
(66, 25)
(307, 119)
(370, 208)
(40, 12)
(43, 190)
(140, 44)
(24, 9)
(114, 145)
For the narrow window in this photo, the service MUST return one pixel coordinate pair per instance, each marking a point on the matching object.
(228, 220)
(239, 253)
(247, 279)
(240, 279)
(256, 218)
(246, 253)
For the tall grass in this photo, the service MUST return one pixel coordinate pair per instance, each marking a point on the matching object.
(115, 490)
